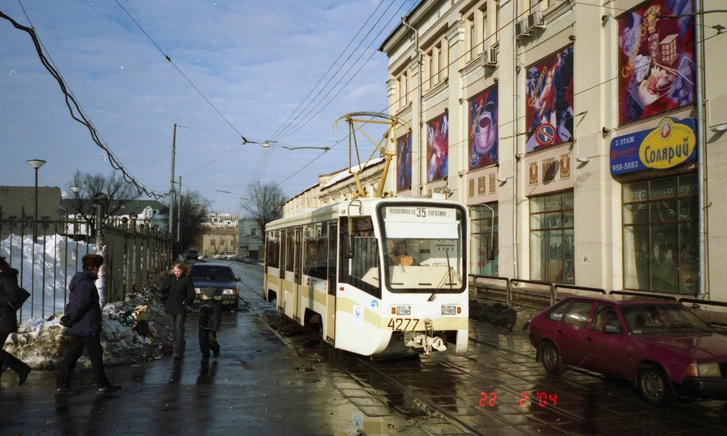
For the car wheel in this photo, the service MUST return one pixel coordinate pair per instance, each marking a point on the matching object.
(654, 386)
(552, 361)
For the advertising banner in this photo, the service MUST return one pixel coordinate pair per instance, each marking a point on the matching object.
(656, 59)
(437, 148)
(403, 163)
(549, 94)
(483, 129)
(671, 144)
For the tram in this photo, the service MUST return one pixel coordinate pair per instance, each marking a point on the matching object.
(379, 277)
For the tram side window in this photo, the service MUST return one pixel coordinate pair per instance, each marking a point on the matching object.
(316, 252)
(272, 250)
(289, 252)
(362, 269)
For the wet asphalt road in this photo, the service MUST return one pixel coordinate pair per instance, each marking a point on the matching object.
(260, 385)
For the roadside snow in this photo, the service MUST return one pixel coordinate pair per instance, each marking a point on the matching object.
(41, 342)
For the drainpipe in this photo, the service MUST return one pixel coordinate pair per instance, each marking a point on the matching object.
(702, 154)
(515, 136)
(419, 99)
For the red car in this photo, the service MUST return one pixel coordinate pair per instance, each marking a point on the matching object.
(660, 345)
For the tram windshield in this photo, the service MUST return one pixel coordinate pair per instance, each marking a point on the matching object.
(424, 248)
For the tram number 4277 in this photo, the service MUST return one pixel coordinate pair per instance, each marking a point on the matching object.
(400, 324)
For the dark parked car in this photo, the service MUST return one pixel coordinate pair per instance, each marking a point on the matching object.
(193, 254)
(220, 277)
(660, 345)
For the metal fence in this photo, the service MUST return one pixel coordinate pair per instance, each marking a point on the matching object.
(48, 253)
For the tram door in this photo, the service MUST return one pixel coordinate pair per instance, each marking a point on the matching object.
(330, 333)
(298, 272)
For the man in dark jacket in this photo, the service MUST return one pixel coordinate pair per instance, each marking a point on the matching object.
(177, 295)
(9, 302)
(84, 313)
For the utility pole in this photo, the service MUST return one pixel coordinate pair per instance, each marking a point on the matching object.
(171, 187)
(179, 214)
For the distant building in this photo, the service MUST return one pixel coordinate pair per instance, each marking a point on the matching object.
(19, 201)
(222, 220)
(335, 187)
(250, 240)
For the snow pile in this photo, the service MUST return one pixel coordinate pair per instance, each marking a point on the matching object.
(41, 342)
(57, 259)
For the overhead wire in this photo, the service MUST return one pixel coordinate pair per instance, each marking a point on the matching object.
(244, 140)
(286, 132)
(76, 111)
(285, 123)
(263, 163)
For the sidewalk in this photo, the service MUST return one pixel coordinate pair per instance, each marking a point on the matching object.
(258, 386)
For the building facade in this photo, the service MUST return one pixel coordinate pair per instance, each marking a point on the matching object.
(250, 239)
(578, 133)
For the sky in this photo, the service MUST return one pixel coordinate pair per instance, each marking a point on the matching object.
(280, 71)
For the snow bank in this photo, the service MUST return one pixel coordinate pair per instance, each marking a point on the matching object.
(41, 342)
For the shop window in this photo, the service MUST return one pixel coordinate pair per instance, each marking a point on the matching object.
(660, 235)
(483, 219)
(551, 238)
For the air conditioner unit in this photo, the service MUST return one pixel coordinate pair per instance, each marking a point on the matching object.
(521, 29)
(489, 58)
(535, 20)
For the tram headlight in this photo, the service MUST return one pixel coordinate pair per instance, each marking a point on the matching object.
(198, 290)
(229, 291)
(401, 310)
(451, 310)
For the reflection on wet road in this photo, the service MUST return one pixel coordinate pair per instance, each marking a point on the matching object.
(261, 386)
(498, 388)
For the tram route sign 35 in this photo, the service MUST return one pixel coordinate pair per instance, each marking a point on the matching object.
(672, 143)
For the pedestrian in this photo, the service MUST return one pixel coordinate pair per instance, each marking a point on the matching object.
(177, 295)
(209, 324)
(84, 314)
(10, 299)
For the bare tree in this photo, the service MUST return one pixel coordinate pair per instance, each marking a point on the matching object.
(112, 192)
(194, 212)
(265, 203)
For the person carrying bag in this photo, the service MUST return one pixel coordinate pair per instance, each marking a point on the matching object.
(11, 299)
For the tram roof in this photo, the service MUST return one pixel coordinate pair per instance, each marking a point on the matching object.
(334, 211)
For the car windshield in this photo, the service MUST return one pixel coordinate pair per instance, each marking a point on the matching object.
(646, 319)
(212, 274)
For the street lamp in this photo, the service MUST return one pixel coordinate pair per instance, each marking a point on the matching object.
(36, 164)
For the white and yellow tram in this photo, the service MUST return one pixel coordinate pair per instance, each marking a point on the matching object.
(377, 277)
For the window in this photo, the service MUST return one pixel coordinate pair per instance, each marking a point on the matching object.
(316, 251)
(551, 238)
(604, 315)
(484, 229)
(471, 37)
(556, 314)
(359, 260)
(403, 89)
(660, 235)
(432, 69)
(485, 32)
(577, 313)
(290, 250)
(272, 250)
(497, 25)
(253, 232)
